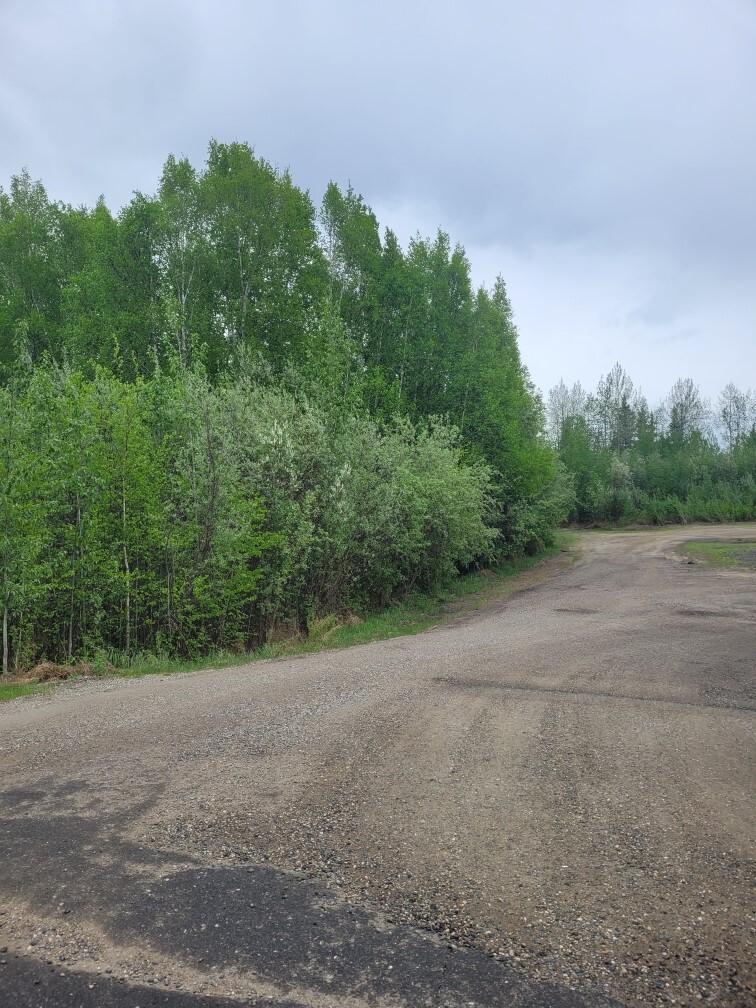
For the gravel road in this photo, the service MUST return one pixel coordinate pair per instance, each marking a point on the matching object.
(548, 802)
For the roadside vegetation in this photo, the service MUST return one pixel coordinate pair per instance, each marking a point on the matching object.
(687, 460)
(739, 554)
(12, 690)
(227, 416)
(419, 611)
(684, 461)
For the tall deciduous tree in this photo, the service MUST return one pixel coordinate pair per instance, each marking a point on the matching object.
(563, 404)
(269, 272)
(31, 271)
(23, 532)
(610, 410)
(736, 415)
(183, 254)
(686, 411)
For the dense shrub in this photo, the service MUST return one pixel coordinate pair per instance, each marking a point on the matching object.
(175, 515)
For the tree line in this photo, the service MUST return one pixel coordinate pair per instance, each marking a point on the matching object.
(175, 515)
(224, 410)
(686, 460)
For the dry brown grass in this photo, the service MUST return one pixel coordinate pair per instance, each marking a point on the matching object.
(47, 671)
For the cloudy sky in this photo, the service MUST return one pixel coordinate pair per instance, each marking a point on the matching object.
(599, 154)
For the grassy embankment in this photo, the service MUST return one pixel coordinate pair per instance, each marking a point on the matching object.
(418, 612)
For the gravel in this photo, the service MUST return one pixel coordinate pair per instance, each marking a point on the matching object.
(561, 783)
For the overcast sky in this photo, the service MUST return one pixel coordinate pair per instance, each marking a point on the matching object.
(599, 154)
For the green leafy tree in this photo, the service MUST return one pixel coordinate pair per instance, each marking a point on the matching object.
(269, 272)
(31, 271)
(22, 522)
(736, 415)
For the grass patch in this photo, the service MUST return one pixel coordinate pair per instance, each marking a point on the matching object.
(733, 554)
(11, 690)
(418, 612)
(143, 664)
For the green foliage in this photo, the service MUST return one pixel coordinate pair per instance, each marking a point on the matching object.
(12, 690)
(739, 554)
(176, 516)
(232, 414)
(32, 270)
(630, 464)
(23, 533)
(224, 415)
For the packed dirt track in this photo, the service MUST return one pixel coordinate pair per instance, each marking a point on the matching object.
(548, 802)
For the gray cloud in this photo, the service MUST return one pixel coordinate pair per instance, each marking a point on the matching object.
(550, 137)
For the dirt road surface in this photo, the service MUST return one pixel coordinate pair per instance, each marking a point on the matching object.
(549, 802)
